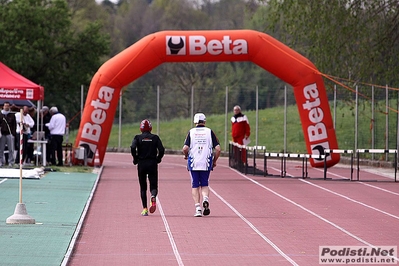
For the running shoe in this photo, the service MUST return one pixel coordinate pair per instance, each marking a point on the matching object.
(153, 204)
(144, 212)
(198, 213)
(205, 204)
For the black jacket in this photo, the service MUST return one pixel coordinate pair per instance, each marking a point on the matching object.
(147, 146)
(8, 124)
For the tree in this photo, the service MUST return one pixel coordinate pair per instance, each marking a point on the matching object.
(352, 39)
(39, 41)
(138, 19)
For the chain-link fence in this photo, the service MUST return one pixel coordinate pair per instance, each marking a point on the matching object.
(364, 116)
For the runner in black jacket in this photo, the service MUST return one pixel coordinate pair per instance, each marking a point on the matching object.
(147, 151)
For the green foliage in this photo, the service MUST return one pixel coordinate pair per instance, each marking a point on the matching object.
(345, 38)
(177, 80)
(60, 45)
(39, 41)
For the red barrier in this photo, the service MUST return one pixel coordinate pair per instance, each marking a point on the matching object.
(208, 46)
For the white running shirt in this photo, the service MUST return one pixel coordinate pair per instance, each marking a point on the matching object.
(200, 155)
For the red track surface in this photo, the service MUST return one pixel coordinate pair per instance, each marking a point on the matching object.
(254, 220)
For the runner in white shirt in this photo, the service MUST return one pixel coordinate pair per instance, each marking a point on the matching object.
(198, 151)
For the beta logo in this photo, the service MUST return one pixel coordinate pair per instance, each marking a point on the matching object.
(318, 149)
(199, 45)
(176, 45)
(91, 131)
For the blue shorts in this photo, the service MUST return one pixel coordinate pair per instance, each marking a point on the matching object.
(199, 178)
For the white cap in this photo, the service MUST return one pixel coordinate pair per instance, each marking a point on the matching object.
(199, 117)
(54, 109)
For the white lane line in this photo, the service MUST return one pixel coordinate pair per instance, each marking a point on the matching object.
(251, 225)
(171, 240)
(363, 183)
(378, 188)
(4, 180)
(350, 199)
(254, 228)
(79, 226)
(310, 212)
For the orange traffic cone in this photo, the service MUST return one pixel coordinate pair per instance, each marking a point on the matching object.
(97, 159)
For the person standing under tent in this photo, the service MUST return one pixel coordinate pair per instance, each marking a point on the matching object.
(8, 132)
(147, 151)
(56, 126)
(240, 130)
(30, 146)
(45, 117)
(198, 149)
(27, 123)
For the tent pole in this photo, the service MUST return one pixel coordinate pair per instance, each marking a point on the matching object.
(37, 129)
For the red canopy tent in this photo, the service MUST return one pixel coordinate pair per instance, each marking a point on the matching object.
(13, 86)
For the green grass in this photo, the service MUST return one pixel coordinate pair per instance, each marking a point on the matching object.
(271, 129)
(73, 169)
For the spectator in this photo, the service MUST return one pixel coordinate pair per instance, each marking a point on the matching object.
(27, 124)
(147, 151)
(30, 146)
(45, 117)
(8, 130)
(57, 130)
(198, 150)
(240, 130)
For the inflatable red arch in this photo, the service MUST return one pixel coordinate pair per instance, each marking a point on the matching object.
(208, 46)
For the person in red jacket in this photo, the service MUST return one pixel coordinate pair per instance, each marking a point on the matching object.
(240, 129)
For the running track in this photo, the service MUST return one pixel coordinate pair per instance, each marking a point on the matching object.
(254, 220)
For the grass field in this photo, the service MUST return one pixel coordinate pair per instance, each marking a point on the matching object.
(271, 129)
